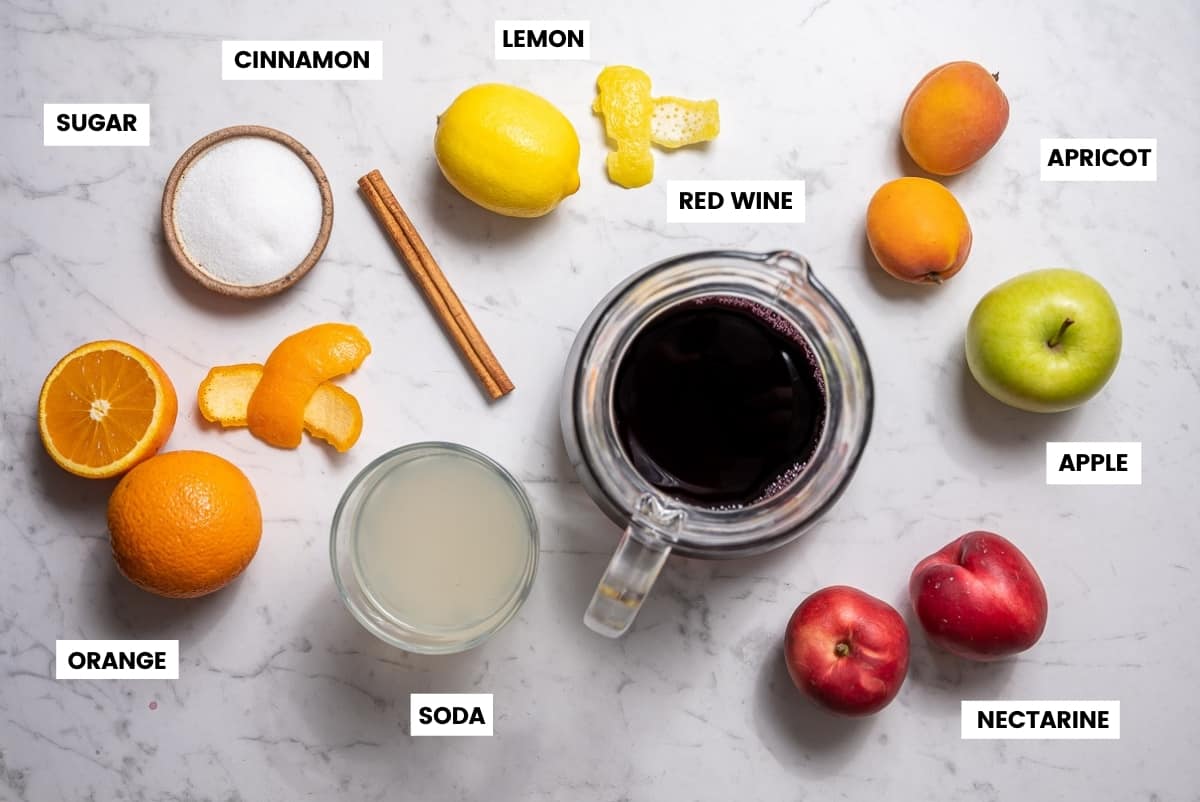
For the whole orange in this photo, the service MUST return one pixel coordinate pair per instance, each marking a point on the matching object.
(918, 231)
(184, 523)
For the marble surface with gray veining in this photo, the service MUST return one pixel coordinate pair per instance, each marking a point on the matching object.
(282, 696)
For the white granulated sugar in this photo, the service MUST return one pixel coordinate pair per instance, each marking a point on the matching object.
(247, 211)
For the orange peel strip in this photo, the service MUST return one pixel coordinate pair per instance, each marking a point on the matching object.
(332, 414)
(293, 372)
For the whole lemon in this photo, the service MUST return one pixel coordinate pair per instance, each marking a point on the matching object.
(184, 523)
(508, 150)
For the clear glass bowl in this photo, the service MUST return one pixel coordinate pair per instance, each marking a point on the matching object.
(367, 607)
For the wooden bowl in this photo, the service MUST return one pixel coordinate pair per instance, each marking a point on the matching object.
(200, 274)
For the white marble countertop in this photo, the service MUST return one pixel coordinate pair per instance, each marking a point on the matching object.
(282, 696)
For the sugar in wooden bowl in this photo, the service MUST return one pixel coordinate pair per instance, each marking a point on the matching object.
(247, 211)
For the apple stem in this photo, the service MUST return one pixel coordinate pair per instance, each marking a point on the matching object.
(841, 649)
(1057, 338)
(996, 77)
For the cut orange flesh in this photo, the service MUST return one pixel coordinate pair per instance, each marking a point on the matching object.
(332, 414)
(105, 407)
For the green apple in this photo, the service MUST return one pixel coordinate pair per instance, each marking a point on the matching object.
(1044, 341)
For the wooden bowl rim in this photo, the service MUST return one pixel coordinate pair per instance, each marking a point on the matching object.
(199, 148)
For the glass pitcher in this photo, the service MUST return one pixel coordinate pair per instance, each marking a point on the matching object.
(657, 523)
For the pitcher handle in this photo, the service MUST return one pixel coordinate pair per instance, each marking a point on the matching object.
(633, 568)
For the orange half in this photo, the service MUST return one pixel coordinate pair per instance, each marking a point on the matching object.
(105, 407)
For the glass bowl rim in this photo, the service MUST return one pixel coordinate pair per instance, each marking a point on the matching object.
(397, 456)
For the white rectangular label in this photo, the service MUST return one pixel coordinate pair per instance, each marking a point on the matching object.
(96, 124)
(450, 714)
(291, 60)
(735, 201)
(116, 659)
(1008, 720)
(1099, 159)
(1093, 463)
(543, 40)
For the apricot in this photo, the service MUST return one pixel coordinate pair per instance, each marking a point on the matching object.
(918, 231)
(953, 117)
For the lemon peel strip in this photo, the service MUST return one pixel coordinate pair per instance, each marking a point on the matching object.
(623, 99)
(633, 120)
(677, 122)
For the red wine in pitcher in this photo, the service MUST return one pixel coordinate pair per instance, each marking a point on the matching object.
(719, 402)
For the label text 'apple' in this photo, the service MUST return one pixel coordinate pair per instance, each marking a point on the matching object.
(1093, 463)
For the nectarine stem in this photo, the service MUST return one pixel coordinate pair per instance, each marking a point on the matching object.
(1057, 338)
(841, 649)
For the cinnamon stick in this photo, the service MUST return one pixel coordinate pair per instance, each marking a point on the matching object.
(433, 283)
